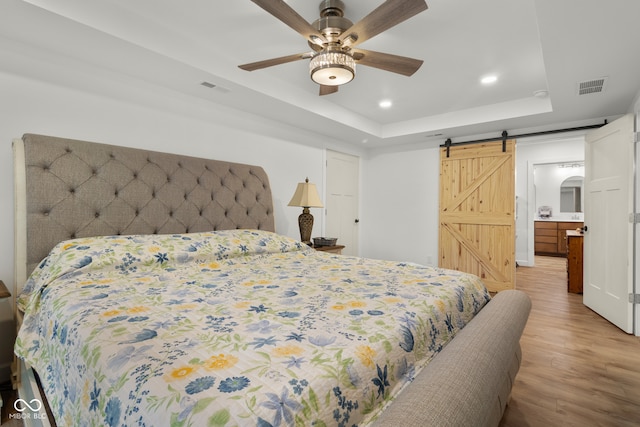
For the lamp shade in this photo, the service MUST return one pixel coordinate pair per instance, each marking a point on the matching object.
(306, 196)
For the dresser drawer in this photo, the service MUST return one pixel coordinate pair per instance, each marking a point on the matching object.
(544, 224)
(547, 239)
(550, 248)
(546, 232)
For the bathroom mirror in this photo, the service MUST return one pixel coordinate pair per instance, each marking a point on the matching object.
(560, 186)
(571, 194)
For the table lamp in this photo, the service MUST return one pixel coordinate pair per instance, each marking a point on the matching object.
(306, 196)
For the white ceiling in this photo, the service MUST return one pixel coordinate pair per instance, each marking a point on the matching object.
(530, 45)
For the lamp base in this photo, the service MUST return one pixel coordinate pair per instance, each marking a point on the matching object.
(305, 222)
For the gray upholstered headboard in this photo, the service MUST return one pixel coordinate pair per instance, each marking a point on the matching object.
(67, 188)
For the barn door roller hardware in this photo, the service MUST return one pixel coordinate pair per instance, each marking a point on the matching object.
(448, 143)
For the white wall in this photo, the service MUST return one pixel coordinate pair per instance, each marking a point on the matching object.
(179, 124)
(399, 218)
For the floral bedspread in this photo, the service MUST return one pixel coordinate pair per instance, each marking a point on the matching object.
(231, 328)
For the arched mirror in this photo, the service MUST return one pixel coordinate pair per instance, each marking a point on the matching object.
(571, 194)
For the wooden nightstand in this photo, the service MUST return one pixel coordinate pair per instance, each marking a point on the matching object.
(336, 249)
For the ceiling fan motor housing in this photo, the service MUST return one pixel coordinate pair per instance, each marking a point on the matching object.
(332, 22)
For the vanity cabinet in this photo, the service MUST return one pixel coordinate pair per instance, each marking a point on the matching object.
(574, 261)
(550, 237)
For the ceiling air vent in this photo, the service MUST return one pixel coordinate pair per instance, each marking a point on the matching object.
(215, 87)
(592, 86)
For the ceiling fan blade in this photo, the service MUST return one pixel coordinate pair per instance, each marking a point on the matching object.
(388, 62)
(327, 90)
(287, 15)
(387, 15)
(275, 61)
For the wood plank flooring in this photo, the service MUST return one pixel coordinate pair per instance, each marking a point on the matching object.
(577, 368)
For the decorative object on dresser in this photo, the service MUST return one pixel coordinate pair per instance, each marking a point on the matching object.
(550, 236)
(575, 241)
(306, 196)
(327, 244)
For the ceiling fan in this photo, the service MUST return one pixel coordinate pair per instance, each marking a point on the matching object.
(333, 39)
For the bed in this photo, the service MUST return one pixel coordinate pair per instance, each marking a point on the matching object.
(153, 290)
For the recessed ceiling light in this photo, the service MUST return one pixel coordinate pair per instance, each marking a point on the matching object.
(385, 103)
(487, 80)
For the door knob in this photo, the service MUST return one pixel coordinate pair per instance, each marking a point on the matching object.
(357, 220)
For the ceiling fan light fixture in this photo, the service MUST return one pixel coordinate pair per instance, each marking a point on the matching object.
(332, 68)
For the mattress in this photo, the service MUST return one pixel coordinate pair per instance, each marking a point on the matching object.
(236, 327)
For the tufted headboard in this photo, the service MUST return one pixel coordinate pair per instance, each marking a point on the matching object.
(67, 188)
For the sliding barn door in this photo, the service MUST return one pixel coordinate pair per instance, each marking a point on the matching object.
(477, 211)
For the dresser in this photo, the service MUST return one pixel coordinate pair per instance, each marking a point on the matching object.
(575, 245)
(550, 237)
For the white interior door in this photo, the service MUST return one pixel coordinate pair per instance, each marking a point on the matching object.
(608, 243)
(343, 172)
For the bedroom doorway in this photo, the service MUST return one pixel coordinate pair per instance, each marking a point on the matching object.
(342, 198)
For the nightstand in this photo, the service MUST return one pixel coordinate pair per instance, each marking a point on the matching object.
(4, 293)
(335, 249)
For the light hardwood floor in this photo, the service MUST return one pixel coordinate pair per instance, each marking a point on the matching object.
(577, 368)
